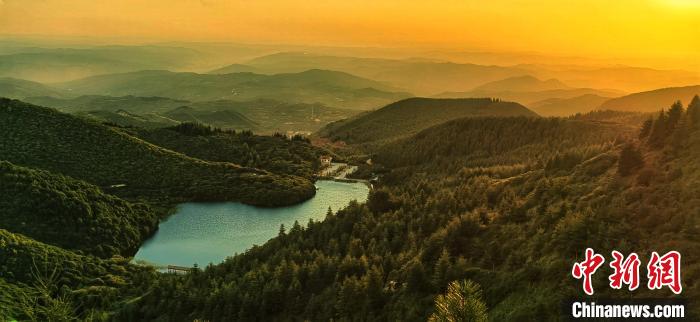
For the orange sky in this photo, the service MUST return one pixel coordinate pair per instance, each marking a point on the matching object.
(666, 30)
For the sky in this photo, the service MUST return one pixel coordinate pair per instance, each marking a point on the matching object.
(666, 30)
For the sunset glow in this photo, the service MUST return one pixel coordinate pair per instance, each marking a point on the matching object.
(659, 31)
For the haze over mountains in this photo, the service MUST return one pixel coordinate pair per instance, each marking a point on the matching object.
(432, 76)
(652, 101)
(300, 88)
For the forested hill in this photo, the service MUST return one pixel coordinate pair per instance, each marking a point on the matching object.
(39, 204)
(43, 138)
(514, 226)
(40, 282)
(412, 115)
(495, 141)
(277, 153)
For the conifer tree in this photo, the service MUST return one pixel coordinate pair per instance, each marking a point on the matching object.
(659, 131)
(630, 160)
(461, 303)
(694, 112)
(646, 128)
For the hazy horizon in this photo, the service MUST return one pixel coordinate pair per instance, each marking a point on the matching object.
(652, 33)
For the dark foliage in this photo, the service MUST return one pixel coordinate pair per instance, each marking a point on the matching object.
(69, 213)
(129, 167)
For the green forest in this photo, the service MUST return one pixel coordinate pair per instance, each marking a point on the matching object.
(486, 224)
(505, 224)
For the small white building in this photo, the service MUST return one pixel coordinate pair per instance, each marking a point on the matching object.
(326, 161)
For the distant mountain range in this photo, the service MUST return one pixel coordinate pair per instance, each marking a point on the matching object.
(528, 90)
(431, 76)
(424, 77)
(410, 116)
(63, 64)
(261, 115)
(331, 88)
(525, 83)
(568, 106)
(20, 88)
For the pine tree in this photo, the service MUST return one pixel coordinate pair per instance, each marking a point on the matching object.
(674, 115)
(659, 131)
(694, 112)
(630, 160)
(646, 128)
(462, 303)
(680, 133)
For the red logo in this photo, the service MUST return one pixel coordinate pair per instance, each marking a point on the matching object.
(661, 270)
(665, 271)
(626, 271)
(587, 268)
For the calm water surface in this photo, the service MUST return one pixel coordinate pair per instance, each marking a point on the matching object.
(206, 233)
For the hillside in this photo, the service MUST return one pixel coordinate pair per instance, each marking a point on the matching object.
(568, 106)
(412, 115)
(525, 83)
(328, 87)
(528, 98)
(19, 88)
(41, 282)
(260, 115)
(128, 103)
(43, 138)
(277, 116)
(652, 101)
(35, 202)
(508, 203)
(128, 119)
(218, 118)
(276, 154)
(493, 141)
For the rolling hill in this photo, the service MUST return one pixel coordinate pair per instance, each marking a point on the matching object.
(528, 98)
(568, 106)
(261, 115)
(276, 153)
(64, 64)
(328, 87)
(35, 202)
(43, 138)
(128, 103)
(276, 116)
(412, 115)
(424, 77)
(218, 118)
(128, 119)
(525, 83)
(20, 89)
(492, 140)
(652, 101)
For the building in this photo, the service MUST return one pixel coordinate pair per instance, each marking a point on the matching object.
(326, 161)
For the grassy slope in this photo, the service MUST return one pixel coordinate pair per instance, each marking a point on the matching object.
(44, 138)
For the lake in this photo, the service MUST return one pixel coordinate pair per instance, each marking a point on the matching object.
(204, 233)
